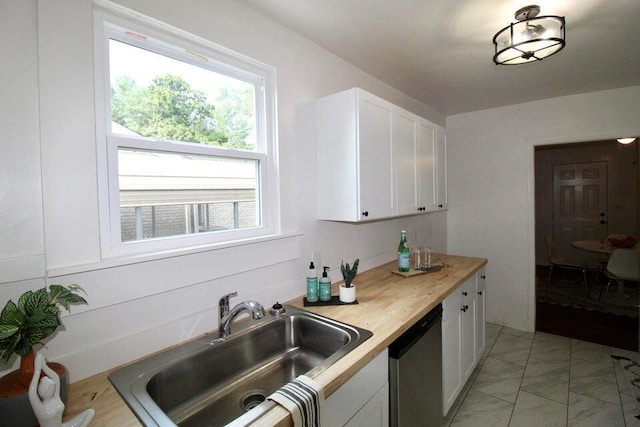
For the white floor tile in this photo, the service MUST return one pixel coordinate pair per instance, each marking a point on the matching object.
(631, 410)
(479, 409)
(492, 330)
(594, 380)
(586, 411)
(499, 379)
(546, 379)
(590, 352)
(525, 379)
(534, 411)
(511, 348)
(518, 333)
(551, 348)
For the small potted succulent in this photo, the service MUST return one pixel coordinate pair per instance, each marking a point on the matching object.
(23, 325)
(348, 290)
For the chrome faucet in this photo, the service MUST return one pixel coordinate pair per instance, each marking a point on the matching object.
(227, 316)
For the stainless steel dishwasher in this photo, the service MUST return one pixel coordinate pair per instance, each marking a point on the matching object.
(415, 374)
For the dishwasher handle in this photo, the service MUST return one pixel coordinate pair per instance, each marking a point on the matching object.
(405, 341)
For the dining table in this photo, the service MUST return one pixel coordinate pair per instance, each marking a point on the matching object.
(605, 248)
(598, 246)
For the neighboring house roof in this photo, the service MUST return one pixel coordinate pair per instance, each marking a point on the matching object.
(158, 178)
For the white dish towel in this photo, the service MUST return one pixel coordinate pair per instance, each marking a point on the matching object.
(303, 397)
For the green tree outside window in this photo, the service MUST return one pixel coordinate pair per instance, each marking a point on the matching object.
(169, 108)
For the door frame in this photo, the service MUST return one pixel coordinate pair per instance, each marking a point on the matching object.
(530, 144)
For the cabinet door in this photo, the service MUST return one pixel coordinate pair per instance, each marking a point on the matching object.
(375, 413)
(467, 328)
(441, 169)
(480, 312)
(451, 378)
(426, 165)
(334, 125)
(405, 161)
(375, 157)
(354, 395)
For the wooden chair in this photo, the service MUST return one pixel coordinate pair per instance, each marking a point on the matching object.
(624, 264)
(569, 262)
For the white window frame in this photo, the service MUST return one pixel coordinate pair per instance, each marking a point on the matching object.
(109, 20)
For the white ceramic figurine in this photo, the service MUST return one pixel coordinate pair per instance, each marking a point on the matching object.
(44, 395)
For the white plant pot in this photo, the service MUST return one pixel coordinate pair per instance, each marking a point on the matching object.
(348, 294)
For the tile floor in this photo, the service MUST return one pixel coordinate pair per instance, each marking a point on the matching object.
(538, 379)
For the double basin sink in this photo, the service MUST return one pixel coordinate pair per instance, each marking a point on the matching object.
(216, 382)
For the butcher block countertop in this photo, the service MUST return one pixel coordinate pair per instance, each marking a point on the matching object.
(388, 305)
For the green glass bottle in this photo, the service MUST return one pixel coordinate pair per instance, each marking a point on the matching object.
(404, 253)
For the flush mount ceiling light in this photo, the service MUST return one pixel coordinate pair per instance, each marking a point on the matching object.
(626, 140)
(530, 39)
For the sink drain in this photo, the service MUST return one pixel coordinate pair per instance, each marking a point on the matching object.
(252, 400)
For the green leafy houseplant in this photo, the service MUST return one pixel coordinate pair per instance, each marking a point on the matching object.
(35, 317)
(348, 273)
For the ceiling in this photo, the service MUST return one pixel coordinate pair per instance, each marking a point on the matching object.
(440, 51)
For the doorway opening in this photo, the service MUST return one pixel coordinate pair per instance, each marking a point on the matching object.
(585, 192)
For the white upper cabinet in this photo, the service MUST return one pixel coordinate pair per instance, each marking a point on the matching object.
(375, 160)
(375, 157)
(414, 149)
(441, 169)
(355, 157)
(426, 157)
(405, 149)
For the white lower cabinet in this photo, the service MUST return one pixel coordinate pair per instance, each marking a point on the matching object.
(467, 328)
(451, 378)
(463, 318)
(363, 400)
(375, 413)
(480, 311)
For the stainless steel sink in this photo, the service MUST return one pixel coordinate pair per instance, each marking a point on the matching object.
(213, 382)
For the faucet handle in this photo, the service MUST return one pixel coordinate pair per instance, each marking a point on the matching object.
(223, 304)
(227, 296)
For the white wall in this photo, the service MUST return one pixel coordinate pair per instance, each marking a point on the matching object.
(22, 242)
(137, 307)
(491, 184)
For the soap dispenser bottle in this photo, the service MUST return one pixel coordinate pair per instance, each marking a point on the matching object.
(312, 283)
(325, 286)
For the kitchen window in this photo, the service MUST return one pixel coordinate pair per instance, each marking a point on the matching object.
(186, 147)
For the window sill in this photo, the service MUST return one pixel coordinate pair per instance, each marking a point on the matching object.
(135, 259)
